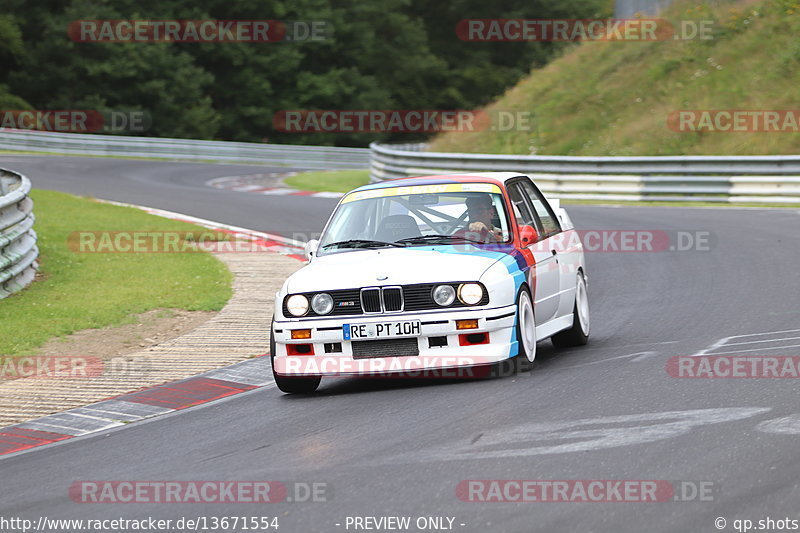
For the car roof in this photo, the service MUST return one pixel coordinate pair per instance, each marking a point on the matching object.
(498, 178)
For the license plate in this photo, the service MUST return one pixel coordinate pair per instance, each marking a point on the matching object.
(380, 330)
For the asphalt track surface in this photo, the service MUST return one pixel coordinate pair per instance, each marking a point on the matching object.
(176, 187)
(607, 411)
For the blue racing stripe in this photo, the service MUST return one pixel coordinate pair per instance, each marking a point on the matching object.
(510, 257)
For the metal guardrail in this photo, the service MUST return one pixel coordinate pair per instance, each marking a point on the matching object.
(18, 251)
(762, 179)
(630, 8)
(309, 157)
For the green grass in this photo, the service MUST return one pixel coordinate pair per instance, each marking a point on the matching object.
(92, 290)
(614, 98)
(334, 181)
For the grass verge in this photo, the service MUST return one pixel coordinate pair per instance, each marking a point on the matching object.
(622, 98)
(334, 181)
(91, 290)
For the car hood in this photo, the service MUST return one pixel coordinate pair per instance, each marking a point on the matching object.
(400, 266)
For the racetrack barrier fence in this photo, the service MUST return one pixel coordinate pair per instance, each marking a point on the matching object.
(18, 250)
(724, 179)
(289, 155)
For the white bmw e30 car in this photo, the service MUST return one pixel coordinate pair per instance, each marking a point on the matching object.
(435, 272)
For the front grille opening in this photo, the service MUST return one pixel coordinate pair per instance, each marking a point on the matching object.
(346, 302)
(371, 300)
(420, 297)
(471, 339)
(385, 348)
(333, 347)
(393, 299)
(300, 349)
(437, 342)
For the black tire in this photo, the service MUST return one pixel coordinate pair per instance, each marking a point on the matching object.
(574, 336)
(520, 362)
(525, 358)
(290, 385)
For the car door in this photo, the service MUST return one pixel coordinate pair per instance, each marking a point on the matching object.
(543, 277)
(558, 244)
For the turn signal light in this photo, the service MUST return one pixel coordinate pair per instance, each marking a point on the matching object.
(301, 334)
(466, 324)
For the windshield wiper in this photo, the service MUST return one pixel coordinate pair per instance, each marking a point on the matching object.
(434, 238)
(362, 243)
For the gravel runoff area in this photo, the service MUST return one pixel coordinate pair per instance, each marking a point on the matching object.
(240, 331)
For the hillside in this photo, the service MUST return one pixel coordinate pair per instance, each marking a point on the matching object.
(615, 98)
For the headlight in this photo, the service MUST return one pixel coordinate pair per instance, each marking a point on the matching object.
(322, 303)
(470, 293)
(297, 305)
(444, 295)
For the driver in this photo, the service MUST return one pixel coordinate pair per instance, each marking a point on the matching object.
(481, 211)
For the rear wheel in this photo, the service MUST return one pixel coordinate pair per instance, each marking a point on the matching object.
(578, 334)
(290, 385)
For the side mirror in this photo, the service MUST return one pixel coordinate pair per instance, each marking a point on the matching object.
(527, 235)
(311, 248)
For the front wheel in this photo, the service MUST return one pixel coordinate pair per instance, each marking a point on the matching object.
(578, 334)
(526, 326)
(290, 385)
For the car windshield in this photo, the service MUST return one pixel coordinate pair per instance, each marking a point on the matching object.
(418, 215)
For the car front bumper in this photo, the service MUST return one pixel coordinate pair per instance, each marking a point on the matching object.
(326, 335)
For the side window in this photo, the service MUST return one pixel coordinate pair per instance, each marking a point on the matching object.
(501, 220)
(521, 210)
(549, 221)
